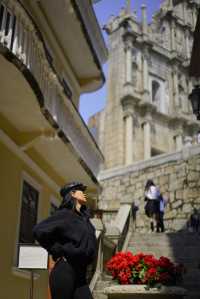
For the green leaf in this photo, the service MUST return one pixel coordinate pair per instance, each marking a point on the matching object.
(142, 273)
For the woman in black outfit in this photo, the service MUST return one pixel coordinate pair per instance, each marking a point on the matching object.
(69, 237)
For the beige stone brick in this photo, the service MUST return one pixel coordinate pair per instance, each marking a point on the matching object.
(193, 176)
(176, 204)
(179, 194)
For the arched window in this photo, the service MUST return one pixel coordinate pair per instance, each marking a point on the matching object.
(155, 92)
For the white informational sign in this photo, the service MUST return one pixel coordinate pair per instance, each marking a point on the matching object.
(32, 257)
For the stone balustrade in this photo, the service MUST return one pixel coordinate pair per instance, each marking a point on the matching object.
(116, 235)
(99, 262)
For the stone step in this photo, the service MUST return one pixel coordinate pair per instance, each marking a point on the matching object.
(101, 284)
(176, 250)
(176, 237)
(99, 295)
(166, 243)
(192, 260)
(179, 247)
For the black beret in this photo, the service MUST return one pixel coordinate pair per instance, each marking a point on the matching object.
(71, 187)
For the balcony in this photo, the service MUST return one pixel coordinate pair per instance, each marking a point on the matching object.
(36, 101)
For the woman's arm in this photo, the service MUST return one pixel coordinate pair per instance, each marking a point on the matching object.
(46, 231)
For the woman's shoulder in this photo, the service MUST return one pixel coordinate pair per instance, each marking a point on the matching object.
(62, 213)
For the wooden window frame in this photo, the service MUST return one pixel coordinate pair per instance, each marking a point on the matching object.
(33, 182)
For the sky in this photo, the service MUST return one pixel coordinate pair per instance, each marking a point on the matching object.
(91, 103)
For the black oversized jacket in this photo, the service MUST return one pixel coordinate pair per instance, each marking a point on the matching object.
(70, 234)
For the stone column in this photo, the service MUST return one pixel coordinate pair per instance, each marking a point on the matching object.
(144, 20)
(128, 109)
(179, 142)
(145, 72)
(128, 63)
(187, 44)
(128, 6)
(128, 139)
(147, 140)
(171, 4)
(175, 87)
(173, 41)
(185, 15)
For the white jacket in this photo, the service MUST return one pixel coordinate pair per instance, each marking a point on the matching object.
(152, 193)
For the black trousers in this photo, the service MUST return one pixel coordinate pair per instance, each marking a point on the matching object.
(160, 223)
(67, 282)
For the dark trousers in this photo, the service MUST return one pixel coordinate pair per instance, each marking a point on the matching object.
(160, 223)
(68, 283)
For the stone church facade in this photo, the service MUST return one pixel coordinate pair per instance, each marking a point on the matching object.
(147, 111)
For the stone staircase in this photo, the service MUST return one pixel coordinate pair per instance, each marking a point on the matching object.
(180, 247)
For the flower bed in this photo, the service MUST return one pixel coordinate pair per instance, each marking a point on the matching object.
(142, 268)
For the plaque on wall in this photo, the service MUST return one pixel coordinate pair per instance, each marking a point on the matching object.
(32, 257)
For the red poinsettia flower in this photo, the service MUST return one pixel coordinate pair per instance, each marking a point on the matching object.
(142, 268)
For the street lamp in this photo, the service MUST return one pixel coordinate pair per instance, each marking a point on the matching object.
(194, 97)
